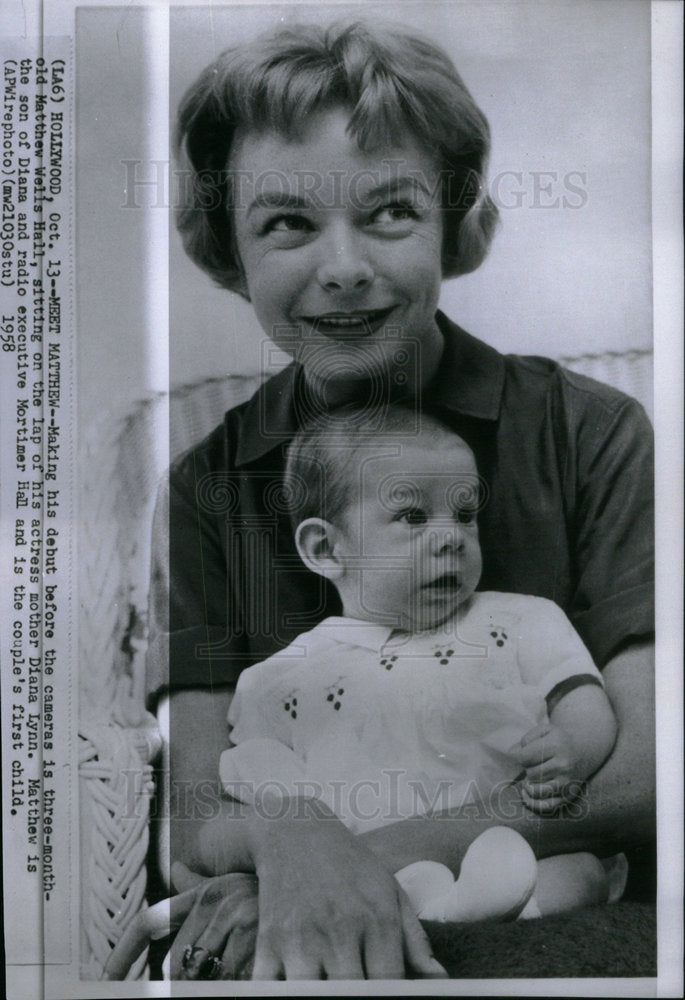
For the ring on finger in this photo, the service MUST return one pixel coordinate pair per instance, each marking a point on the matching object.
(213, 968)
(207, 967)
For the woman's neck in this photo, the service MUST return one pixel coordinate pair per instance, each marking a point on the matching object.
(418, 366)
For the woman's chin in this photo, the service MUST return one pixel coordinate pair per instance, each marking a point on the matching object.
(369, 384)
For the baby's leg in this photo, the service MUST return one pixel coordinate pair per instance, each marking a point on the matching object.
(570, 881)
(497, 877)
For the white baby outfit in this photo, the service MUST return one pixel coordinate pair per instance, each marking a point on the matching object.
(383, 724)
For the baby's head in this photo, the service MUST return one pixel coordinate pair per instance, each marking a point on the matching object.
(386, 509)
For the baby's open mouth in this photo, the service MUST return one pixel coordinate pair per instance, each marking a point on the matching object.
(359, 323)
(447, 583)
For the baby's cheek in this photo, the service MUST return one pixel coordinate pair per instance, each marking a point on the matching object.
(475, 560)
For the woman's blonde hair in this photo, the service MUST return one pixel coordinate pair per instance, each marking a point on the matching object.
(389, 79)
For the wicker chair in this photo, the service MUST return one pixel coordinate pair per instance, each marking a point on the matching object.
(122, 464)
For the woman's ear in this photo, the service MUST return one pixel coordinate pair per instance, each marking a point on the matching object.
(316, 543)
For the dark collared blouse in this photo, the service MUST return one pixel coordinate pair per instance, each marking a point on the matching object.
(568, 514)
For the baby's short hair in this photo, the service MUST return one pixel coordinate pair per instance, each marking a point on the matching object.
(322, 460)
(390, 79)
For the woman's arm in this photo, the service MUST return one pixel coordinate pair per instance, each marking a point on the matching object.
(618, 808)
(197, 734)
(616, 811)
(328, 905)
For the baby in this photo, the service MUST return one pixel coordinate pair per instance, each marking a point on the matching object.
(426, 694)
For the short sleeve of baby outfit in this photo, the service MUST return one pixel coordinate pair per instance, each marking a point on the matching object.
(551, 654)
(256, 711)
(261, 760)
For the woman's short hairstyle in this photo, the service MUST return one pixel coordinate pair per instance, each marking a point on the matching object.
(389, 79)
(325, 458)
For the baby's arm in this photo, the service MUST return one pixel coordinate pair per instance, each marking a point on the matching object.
(560, 754)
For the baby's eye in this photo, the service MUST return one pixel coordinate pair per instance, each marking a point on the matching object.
(415, 516)
(395, 212)
(466, 516)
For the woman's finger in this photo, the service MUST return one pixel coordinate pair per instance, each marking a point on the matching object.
(200, 963)
(340, 953)
(267, 965)
(152, 924)
(345, 964)
(232, 933)
(296, 955)
(205, 956)
(221, 904)
(418, 953)
(239, 951)
(182, 878)
(302, 964)
(193, 927)
(383, 952)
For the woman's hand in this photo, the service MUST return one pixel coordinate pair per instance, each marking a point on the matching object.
(328, 907)
(217, 938)
(217, 918)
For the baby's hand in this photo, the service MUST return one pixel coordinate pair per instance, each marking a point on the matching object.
(551, 762)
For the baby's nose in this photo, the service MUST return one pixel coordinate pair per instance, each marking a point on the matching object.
(446, 537)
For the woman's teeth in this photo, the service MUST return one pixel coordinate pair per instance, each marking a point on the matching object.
(343, 321)
(363, 321)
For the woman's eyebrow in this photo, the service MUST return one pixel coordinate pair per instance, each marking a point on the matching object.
(399, 185)
(392, 187)
(277, 199)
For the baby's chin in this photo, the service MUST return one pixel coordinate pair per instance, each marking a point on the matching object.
(426, 621)
(426, 617)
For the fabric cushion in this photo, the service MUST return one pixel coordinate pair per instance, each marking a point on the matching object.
(617, 941)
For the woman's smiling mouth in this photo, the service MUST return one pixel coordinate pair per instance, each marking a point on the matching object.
(361, 322)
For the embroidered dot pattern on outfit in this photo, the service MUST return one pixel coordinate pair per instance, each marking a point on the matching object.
(335, 693)
(443, 656)
(499, 635)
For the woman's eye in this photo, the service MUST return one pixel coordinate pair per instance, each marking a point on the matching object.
(414, 517)
(397, 212)
(288, 224)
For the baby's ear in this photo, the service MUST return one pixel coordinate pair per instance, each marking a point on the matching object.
(315, 540)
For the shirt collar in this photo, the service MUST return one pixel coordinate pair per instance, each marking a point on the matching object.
(469, 381)
(356, 632)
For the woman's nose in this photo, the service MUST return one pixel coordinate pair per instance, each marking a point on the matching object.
(344, 267)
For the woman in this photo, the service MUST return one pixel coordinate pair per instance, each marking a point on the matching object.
(338, 176)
